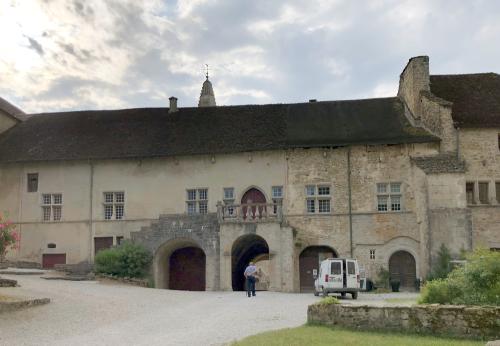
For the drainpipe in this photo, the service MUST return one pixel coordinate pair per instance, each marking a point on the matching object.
(91, 209)
(458, 141)
(350, 197)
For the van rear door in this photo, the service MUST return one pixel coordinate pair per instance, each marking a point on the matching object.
(336, 274)
(352, 275)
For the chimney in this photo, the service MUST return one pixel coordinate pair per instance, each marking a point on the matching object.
(173, 104)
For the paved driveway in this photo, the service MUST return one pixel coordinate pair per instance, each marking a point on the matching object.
(92, 313)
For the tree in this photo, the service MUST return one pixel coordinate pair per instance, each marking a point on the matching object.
(442, 267)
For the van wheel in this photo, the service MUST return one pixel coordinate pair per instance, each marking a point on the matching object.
(342, 294)
(354, 295)
(324, 293)
(316, 293)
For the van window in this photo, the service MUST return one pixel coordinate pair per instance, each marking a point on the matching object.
(336, 269)
(350, 268)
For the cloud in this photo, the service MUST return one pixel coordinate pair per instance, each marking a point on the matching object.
(35, 45)
(76, 54)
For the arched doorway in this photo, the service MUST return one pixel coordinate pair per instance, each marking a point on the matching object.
(180, 264)
(253, 196)
(247, 248)
(187, 269)
(402, 267)
(309, 260)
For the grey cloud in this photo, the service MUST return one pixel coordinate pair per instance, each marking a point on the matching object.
(35, 45)
(82, 8)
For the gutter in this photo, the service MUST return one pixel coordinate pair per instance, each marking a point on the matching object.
(91, 209)
(350, 198)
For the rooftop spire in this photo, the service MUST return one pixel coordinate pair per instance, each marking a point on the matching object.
(207, 97)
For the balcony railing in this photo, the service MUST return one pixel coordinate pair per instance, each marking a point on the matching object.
(251, 212)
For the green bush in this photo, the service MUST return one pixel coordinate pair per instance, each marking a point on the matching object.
(127, 260)
(328, 301)
(383, 277)
(476, 283)
(442, 267)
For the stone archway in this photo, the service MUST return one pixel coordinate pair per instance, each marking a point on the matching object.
(309, 260)
(180, 264)
(402, 267)
(249, 247)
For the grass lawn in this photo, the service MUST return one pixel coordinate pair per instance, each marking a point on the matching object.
(317, 335)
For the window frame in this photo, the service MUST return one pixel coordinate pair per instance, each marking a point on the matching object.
(115, 204)
(51, 206)
(29, 179)
(198, 205)
(390, 195)
(482, 183)
(314, 200)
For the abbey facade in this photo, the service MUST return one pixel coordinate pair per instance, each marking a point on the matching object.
(207, 189)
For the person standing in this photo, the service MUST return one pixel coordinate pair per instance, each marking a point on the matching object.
(250, 273)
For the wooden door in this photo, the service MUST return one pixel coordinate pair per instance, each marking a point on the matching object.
(187, 269)
(101, 243)
(309, 260)
(50, 260)
(402, 267)
(253, 196)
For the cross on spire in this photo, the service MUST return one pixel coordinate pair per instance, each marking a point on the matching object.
(206, 73)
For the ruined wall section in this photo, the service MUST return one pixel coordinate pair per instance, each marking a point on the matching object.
(480, 150)
(426, 109)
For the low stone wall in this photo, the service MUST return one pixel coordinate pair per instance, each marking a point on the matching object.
(17, 305)
(460, 321)
(126, 280)
(7, 282)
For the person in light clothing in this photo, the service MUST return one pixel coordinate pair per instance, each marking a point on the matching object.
(250, 273)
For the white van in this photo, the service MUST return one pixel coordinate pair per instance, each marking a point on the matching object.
(337, 275)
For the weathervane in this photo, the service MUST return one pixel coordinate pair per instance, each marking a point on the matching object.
(206, 66)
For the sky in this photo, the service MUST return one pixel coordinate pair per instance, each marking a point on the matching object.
(60, 55)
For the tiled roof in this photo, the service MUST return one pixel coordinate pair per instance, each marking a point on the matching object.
(153, 132)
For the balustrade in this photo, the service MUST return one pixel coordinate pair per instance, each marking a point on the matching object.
(250, 212)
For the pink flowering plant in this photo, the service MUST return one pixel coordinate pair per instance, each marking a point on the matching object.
(9, 237)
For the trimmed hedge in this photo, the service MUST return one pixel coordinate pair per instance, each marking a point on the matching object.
(127, 260)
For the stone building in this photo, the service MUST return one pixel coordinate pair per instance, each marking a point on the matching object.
(207, 189)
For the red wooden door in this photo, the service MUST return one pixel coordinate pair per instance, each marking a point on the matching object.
(250, 197)
(49, 260)
(309, 260)
(187, 269)
(101, 243)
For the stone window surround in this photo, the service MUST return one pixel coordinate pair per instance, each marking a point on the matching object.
(228, 199)
(372, 254)
(388, 193)
(277, 199)
(197, 201)
(32, 182)
(493, 199)
(51, 206)
(318, 197)
(113, 204)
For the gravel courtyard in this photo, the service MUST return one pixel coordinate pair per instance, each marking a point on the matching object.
(93, 313)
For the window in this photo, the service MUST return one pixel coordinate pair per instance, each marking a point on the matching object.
(52, 207)
(389, 197)
(197, 201)
(372, 254)
(318, 199)
(351, 269)
(469, 192)
(229, 200)
(497, 190)
(119, 240)
(336, 268)
(277, 194)
(32, 182)
(483, 192)
(114, 205)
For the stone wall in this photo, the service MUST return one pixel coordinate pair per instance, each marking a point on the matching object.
(458, 321)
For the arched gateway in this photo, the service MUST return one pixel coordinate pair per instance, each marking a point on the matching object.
(402, 267)
(249, 247)
(185, 251)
